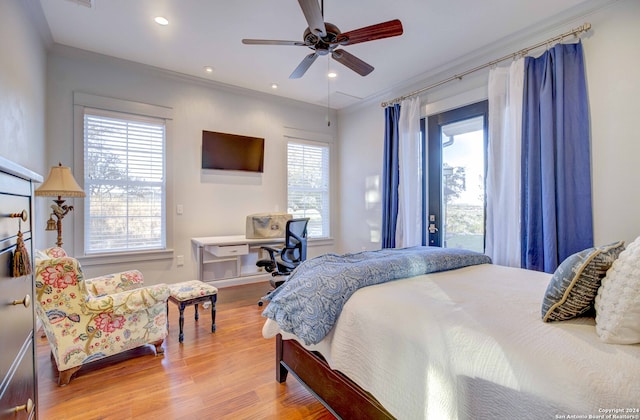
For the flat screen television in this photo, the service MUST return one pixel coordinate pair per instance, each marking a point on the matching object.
(232, 152)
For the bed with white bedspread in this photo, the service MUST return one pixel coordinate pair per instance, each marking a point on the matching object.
(469, 343)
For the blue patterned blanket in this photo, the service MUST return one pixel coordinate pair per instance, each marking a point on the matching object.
(309, 302)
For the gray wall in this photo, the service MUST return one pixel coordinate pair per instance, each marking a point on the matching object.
(213, 204)
(22, 87)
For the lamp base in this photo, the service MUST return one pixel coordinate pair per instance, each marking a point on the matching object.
(59, 210)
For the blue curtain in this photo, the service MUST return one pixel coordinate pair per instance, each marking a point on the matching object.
(390, 176)
(557, 216)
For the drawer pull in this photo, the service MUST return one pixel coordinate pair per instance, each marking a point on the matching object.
(28, 407)
(26, 301)
(226, 250)
(22, 215)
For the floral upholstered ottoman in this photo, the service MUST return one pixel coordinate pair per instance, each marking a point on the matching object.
(193, 292)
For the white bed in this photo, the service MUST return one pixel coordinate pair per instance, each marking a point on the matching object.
(470, 343)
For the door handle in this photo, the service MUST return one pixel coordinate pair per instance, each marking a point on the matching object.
(432, 228)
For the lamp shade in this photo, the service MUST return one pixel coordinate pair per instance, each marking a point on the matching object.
(60, 183)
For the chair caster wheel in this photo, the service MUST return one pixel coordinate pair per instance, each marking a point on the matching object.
(260, 303)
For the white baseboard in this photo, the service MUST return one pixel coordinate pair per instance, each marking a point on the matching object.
(238, 281)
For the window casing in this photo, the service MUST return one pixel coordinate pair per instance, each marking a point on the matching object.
(308, 185)
(125, 182)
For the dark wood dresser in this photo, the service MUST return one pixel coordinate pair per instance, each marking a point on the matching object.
(18, 385)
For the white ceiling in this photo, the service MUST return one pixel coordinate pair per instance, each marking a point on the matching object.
(209, 33)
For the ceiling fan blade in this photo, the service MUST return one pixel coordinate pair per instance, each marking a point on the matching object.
(371, 33)
(272, 42)
(313, 15)
(303, 66)
(353, 62)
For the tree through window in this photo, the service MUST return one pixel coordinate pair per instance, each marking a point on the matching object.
(308, 185)
(124, 176)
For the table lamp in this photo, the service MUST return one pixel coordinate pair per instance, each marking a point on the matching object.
(60, 183)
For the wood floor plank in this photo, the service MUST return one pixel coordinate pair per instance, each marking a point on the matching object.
(229, 374)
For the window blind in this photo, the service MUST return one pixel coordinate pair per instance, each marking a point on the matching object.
(124, 177)
(308, 185)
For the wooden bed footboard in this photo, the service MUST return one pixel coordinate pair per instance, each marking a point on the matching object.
(334, 390)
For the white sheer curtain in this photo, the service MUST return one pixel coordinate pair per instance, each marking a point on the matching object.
(503, 164)
(409, 227)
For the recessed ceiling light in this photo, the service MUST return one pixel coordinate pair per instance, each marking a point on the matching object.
(161, 20)
(208, 69)
(332, 75)
(274, 86)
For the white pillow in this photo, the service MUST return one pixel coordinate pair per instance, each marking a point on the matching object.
(618, 301)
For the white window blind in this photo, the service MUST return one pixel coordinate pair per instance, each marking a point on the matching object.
(124, 177)
(308, 185)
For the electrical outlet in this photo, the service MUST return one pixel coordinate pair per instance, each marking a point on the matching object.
(179, 209)
(180, 260)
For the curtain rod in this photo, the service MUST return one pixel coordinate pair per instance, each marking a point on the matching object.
(521, 53)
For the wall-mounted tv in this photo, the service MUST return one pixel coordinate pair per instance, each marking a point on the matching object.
(232, 152)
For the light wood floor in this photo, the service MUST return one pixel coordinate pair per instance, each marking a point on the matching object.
(229, 374)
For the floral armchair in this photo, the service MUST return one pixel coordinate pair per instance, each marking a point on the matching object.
(89, 319)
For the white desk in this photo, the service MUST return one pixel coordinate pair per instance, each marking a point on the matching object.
(237, 248)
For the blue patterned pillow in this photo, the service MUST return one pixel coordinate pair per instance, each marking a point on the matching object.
(574, 286)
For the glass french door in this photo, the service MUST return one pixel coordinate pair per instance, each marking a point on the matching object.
(456, 150)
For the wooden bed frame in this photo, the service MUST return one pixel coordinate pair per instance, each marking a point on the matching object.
(334, 390)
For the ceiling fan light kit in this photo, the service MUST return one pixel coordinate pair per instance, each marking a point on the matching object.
(325, 38)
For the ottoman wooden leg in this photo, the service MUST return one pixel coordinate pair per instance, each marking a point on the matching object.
(213, 313)
(181, 322)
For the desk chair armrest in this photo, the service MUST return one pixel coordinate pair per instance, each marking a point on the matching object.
(271, 250)
(272, 254)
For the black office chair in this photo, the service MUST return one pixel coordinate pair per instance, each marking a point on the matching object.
(282, 261)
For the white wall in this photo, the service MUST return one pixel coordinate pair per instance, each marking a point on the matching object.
(22, 87)
(213, 204)
(612, 62)
(360, 175)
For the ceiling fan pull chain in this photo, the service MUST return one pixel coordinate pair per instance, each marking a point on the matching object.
(328, 93)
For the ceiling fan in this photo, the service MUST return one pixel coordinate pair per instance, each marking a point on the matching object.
(325, 38)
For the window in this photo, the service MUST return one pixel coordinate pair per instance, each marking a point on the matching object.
(124, 178)
(308, 185)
